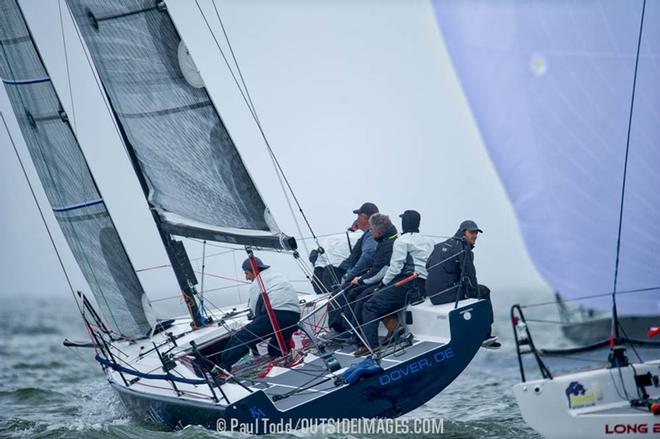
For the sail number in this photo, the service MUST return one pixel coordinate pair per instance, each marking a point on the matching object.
(632, 428)
(415, 367)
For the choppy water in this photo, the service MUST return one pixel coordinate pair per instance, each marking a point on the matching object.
(47, 390)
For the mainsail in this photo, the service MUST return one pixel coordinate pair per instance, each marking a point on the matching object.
(67, 180)
(550, 86)
(196, 179)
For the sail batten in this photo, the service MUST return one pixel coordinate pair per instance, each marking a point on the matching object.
(182, 147)
(77, 205)
(128, 13)
(67, 181)
(25, 81)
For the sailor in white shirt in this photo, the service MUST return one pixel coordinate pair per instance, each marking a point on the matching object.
(409, 254)
(411, 251)
(284, 302)
(336, 249)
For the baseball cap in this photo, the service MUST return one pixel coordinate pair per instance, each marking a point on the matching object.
(366, 209)
(471, 226)
(247, 266)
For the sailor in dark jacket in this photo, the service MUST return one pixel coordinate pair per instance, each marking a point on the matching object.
(385, 234)
(357, 263)
(349, 302)
(451, 270)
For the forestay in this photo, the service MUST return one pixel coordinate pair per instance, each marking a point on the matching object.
(550, 86)
(67, 181)
(196, 178)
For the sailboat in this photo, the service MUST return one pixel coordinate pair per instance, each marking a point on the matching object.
(197, 186)
(565, 95)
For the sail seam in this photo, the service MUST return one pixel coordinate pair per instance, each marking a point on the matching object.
(166, 111)
(125, 14)
(15, 40)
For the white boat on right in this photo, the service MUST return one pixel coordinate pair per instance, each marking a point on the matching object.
(622, 399)
(595, 403)
(592, 404)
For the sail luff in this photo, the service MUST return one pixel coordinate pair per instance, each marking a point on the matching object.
(65, 175)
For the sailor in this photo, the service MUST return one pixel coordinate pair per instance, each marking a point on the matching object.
(409, 255)
(362, 255)
(284, 302)
(358, 262)
(336, 249)
(453, 273)
(363, 287)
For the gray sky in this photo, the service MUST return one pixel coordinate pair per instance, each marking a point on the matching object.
(360, 103)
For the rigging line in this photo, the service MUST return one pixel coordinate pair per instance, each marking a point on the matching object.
(230, 249)
(236, 286)
(632, 345)
(248, 101)
(557, 322)
(41, 213)
(311, 277)
(592, 296)
(208, 290)
(342, 233)
(233, 56)
(583, 359)
(66, 62)
(203, 273)
(210, 244)
(140, 270)
(214, 306)
(217, 276)
(97, 80)
(212, 254)
(615, 326)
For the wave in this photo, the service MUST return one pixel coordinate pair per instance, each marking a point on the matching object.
(38, 366)
(37, 329)
(32, 394)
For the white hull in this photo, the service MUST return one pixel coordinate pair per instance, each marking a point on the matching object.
(590, 404)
